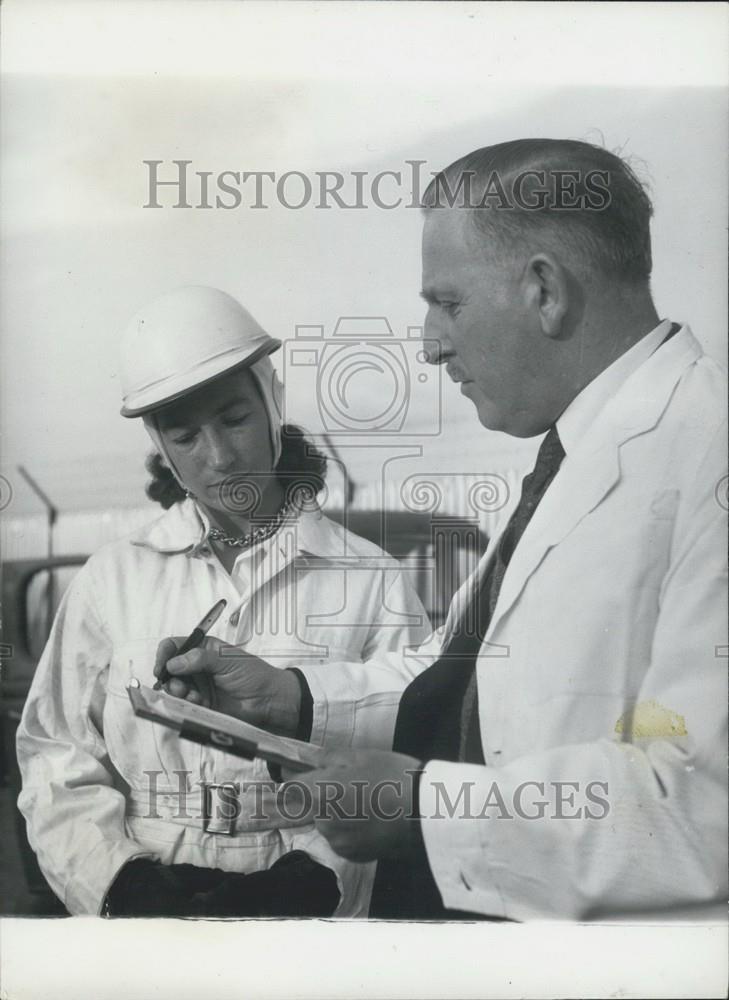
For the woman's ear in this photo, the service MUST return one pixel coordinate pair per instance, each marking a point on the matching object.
(548, 293)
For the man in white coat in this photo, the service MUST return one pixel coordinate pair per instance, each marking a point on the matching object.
(560, 750)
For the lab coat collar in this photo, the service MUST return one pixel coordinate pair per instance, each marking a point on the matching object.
(639, 403)
(184, 528)
(593, 467)
(582, 411)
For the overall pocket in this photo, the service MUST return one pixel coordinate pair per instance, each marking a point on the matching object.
(137, 745)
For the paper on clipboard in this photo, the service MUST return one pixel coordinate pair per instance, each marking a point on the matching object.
(203, 725)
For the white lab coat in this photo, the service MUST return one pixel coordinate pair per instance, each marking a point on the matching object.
(313, 592)
(604, 662)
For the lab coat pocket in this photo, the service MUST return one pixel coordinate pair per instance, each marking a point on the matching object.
(139, 745)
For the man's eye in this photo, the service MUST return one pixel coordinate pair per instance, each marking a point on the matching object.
(451, 308)
(236, 421)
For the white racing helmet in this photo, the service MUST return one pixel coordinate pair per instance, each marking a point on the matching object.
(185, 339)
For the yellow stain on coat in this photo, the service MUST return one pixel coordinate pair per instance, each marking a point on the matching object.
(649, 720)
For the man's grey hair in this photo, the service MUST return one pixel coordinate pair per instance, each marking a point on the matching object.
(551, 195)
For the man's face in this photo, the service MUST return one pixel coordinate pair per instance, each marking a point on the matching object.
(218, 432)
(477, 312)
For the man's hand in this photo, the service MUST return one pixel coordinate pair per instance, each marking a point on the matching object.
(230, 680)
(361, 802)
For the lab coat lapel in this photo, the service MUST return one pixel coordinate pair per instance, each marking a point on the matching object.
(578, 488)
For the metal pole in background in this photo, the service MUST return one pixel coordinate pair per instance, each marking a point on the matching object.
(52, 516)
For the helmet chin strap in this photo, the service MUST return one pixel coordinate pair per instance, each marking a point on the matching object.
(152, 427)
(271, 390)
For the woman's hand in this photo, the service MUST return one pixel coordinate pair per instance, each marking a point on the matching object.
(228, 679)
(197, 688)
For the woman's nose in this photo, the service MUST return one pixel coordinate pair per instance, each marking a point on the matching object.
(220, 455)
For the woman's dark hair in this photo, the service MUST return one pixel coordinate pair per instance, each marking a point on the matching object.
(301, 471)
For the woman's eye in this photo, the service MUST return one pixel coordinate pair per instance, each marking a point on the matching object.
(185, 439)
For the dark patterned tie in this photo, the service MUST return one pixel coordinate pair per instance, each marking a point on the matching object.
(467, 638)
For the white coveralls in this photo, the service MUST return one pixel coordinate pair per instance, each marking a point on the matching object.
(89, 805)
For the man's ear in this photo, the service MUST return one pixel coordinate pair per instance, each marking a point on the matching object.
(547, 289)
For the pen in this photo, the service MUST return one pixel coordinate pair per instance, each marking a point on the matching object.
(194, 639)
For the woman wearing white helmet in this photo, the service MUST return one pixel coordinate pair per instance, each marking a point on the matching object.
(125, 816)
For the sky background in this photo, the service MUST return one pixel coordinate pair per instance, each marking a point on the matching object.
(90, 91)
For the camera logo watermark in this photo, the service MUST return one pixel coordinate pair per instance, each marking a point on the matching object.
(364, 379)
(721, 492)
(6, 493)
(368, 389)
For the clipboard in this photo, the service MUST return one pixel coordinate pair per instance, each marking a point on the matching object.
(222, 732)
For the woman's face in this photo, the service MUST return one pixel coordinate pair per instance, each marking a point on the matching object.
(218, 438)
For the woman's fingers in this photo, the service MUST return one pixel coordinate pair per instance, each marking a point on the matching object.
(165, 651)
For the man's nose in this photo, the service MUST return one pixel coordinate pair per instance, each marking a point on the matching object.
(436, 347)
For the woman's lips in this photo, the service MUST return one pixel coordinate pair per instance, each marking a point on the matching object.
(230, 482)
